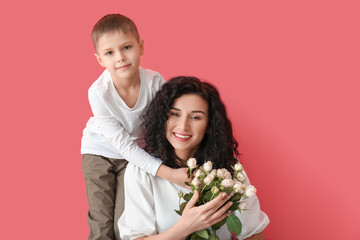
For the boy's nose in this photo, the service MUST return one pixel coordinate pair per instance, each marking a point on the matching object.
(120, 57)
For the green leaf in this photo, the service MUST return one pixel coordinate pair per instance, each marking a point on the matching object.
(234, 224)
(234, 206)
(228, 190)
(182, 206)
(187, 184)
(203, 234)
(236, 197)
(178, 212)
(218, 225)
(188, 196)
(207, 197)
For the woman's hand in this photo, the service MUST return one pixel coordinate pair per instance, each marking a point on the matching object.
(198, 218)
(195, 218)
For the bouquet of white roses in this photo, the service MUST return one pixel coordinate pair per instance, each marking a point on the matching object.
(210, 183)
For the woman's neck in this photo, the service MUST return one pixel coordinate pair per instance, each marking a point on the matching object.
(183, 156)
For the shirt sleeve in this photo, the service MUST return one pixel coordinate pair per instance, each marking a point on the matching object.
(138, 218)
(253, 219)
(119, 138)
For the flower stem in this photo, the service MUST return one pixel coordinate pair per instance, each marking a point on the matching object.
(202, 189)
(214, 233)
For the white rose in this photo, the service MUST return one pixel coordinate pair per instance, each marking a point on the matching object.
(199, 174)
(238, 167)
(191, 163)
(220, 173)
(208, 166)
(238, 187)
(227, 174)
(196, 182)
(214, 189)
(213, 172)
(243, 205)
(241, 176)
(250, 191)
(227, 183)
(209, 178)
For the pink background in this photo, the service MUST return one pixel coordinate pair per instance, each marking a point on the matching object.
(288, 72)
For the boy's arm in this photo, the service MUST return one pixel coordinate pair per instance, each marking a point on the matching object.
(120, 140)
(118, 137)
(177, 176)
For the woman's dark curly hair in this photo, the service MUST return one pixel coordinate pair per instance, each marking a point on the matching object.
(218, 145)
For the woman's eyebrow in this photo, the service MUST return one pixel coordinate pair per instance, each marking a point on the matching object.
(198, 111)
(195, 111)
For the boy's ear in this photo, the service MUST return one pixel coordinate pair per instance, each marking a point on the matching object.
(98, 58)
(141, 47)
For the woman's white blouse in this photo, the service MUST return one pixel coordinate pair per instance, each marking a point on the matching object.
(150, 204)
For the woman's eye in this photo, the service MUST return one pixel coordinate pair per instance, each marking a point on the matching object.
(174, 114)
(109, 53)
(127, 47)
(195, 117)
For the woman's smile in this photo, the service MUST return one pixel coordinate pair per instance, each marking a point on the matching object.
(182, 137)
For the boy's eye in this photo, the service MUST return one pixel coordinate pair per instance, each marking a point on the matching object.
(127, 47)
(109, 53)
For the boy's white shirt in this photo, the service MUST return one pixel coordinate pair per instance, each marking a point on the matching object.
(114, 129)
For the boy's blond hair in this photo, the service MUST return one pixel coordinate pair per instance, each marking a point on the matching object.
(112, 23)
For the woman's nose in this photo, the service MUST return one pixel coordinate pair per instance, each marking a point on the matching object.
(183, 123)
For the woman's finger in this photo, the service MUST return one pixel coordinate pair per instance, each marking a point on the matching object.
(192, 201)
(216, 203)
(218, 219)
(223, 210)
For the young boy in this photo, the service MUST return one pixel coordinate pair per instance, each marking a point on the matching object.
(117, 99)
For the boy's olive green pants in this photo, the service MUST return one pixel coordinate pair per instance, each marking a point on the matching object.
(104, 182)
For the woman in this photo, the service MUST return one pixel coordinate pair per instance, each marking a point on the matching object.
(185, 119)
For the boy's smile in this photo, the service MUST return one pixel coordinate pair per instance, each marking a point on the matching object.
(123, 66)
(120, 54)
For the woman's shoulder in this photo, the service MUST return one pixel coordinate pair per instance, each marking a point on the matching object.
(135, 174)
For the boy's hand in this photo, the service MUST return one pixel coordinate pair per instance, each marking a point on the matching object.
(177, 176)
(180, 176)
